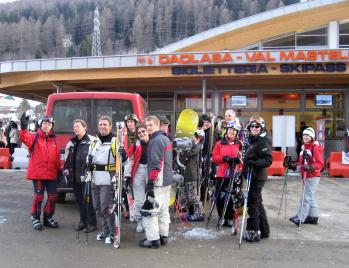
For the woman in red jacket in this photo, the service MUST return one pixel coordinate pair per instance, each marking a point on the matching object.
(311, 162)
(226, 153)
(136, 172)
(44, 165)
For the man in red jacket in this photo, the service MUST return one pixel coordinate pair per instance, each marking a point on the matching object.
(44, 165)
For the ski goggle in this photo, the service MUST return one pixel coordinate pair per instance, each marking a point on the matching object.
(255, 126)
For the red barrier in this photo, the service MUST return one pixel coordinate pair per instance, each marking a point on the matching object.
(5, 158)
(277, 168)
(335, 168)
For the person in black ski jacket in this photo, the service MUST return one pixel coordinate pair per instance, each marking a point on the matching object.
(76, 152)
(258, 157)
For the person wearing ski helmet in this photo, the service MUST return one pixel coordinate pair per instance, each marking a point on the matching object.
(43, 169)
(191, 198)
(311, 162)
(258, 157)
(227, 155)
(131, 121)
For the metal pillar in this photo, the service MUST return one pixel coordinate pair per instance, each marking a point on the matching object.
(204, 96)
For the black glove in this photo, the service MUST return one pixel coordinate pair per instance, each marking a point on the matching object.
(122, 153)
(236, 160)
(128, 181)
(250, 163)
(24, 121)
(227, 159)
(59, 176)
(149, 188)
(292, 166)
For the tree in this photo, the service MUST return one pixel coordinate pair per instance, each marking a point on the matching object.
(23, 107)
(39, 110)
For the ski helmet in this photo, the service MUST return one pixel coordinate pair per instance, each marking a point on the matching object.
(233, 124)
(259, 121)
(131, 117)
(46, 118)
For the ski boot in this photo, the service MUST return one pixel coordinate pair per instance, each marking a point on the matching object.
(149, 244)
(311, 220)
(109, 239)
(101, 236)
(252, 236)
(50, 222)
(36, 223)
(195, 217)
(90, 228)
(80, 227)
(295, 220)
(163, 240)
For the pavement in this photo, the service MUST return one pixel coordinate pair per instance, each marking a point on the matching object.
(322, 245)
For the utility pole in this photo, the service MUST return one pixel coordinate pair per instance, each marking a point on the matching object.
(96, 44)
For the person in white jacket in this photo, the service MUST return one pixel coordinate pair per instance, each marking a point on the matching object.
(14, 137)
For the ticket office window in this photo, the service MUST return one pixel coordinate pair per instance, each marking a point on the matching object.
(334, 122)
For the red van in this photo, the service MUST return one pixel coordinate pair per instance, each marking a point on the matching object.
(89, 106)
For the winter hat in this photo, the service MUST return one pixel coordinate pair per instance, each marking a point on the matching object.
(163, 120)
(206, 117)
(131, 117)
(309, 131)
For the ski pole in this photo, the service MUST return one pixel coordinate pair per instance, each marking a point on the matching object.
(302, 202)
(214, 197)
(284, 192)
(227, 197)
(249, 176)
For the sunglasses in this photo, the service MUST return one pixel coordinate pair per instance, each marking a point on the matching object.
(254, 126)
(141, 132)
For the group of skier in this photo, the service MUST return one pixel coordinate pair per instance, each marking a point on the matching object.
(144, 156)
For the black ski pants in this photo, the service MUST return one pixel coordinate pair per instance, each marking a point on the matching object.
(257, 216)
(87, 212)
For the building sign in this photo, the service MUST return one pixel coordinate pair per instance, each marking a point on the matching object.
(260, 69)
(246, 57)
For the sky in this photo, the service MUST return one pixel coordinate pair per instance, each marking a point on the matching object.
(5, 1)
(17, 101)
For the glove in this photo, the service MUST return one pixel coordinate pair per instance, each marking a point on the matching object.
(150, 188)
(306, 167)
(128, 181)
(150, 205)
(24, 121)
(122, 153)
(292, 166)
(250, 163)
(227, 159)
(236, 160)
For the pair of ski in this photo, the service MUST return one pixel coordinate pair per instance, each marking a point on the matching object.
(228, 196)
(118, 190)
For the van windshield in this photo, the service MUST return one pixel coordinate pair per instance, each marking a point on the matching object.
(66, 111)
